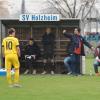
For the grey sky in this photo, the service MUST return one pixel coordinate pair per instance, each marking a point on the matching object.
(32, 6)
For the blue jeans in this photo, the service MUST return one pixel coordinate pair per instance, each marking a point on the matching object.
(69, 63)
(76, 63)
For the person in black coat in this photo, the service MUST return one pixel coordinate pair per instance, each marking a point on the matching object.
(48, 42)
(32, 54)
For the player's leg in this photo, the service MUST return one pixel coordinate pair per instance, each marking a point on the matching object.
(51, 65)
(96, 64)
(51, 59)
(27, 64)
(16, 66)
(8, 68)
(31, 65)
(77, 63)
(45, 58)
(44, 66)
(67, 64)
(34, 63)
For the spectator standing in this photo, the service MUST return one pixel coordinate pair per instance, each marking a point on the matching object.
(48, 42)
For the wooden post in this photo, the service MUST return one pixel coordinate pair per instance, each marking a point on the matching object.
(82, 66)
(2, 35)
(31, 31)
(82, 58)
(0, 44)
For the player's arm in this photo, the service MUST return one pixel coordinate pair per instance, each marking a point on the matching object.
(18, 50)
(17, 47)
(66, 34)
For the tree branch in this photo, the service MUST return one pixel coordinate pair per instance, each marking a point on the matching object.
(79, 11)
(86, 3)
(68, 7)
(59, 8)
(63, 9)
(89, 10)
(74, 9)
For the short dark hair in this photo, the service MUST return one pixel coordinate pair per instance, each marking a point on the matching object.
(31, 39)
(11, 30)
(78, 29)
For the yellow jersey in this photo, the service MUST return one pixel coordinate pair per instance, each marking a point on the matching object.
(10, 43)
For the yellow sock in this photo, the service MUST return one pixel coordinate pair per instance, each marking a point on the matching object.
(16, 76)
(9, 77)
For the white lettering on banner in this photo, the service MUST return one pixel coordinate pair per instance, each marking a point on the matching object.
(39, 17)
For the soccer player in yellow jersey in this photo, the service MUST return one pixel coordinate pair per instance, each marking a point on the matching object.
(11, 52)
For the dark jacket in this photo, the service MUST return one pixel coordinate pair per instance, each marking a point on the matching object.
(48, 42)
(33, 50)
(74, 43)
(48, 39)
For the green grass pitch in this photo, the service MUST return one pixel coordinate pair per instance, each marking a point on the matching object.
(56, 87)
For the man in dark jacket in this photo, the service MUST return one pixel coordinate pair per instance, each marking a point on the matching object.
(48, 41)
(32, 53)
(76, 49)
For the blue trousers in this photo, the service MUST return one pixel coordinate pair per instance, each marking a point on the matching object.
(96, 65)
(76, 64)
(69, 63)
(72, 63)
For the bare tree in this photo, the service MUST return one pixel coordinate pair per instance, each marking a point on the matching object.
(81, 9)
(72, 8)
